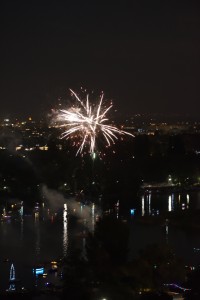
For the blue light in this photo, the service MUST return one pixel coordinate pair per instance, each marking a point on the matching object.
(132, 211)
(38, 271)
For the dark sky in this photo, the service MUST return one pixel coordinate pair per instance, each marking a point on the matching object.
(143, 54)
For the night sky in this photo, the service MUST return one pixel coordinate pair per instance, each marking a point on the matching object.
(144, 55)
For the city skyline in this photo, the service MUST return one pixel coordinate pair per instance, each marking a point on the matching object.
(144, 56)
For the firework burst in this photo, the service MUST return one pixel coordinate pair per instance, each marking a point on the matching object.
(87, 122)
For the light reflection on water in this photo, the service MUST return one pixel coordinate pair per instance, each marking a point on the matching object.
(143, 209)
(65, 231)
(36, 240)
(169, 203)
(183, 242)
(93, 216)
(37, 236)
(152, 203)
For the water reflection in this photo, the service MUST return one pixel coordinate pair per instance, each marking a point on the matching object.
(170, 203)
(65, 231)
(188, 200)
(167, 230)
(21, 213)
(43, 240)
(93, 216)
(152, 203)
(117, 209)
(143, 210)
(37, 235)
(149, 203)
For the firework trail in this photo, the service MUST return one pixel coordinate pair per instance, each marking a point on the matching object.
(87, 122)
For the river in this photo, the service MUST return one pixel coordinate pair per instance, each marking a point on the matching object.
(34, 240)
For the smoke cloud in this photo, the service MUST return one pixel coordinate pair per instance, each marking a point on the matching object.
(83, 212)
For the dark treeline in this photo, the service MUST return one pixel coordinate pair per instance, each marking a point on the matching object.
(106, 272)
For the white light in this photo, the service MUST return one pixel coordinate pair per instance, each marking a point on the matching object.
(188, 200)
(143, 211)
(170, 203)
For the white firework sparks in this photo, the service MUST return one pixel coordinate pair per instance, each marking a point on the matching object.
(88, 122)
